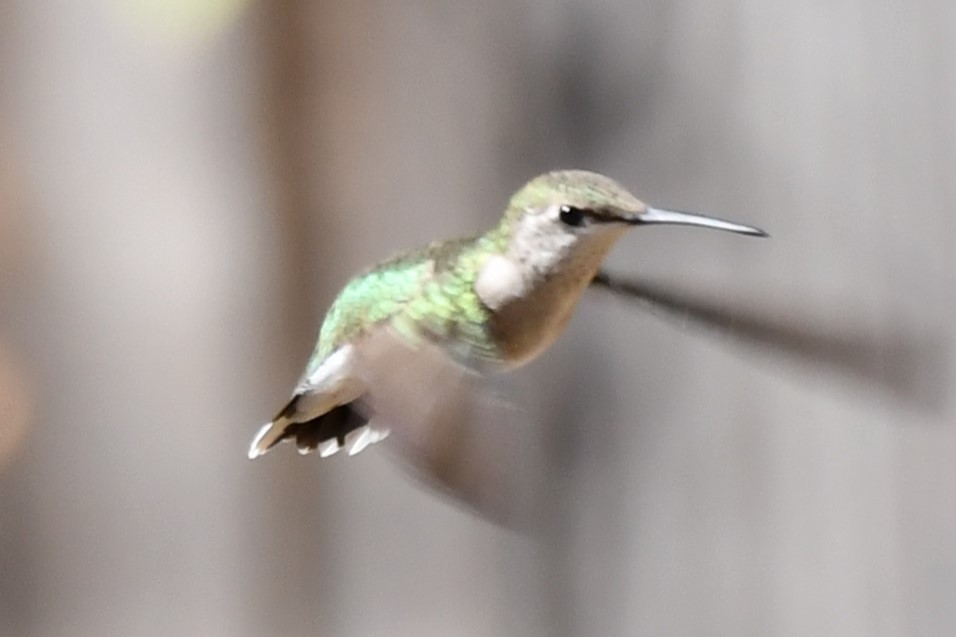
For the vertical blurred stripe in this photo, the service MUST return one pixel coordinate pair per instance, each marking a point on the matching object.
(16, 393)
(16, 404)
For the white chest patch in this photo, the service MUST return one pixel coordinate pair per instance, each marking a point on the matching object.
(499, 282)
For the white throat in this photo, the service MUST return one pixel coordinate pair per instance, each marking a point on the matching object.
(540, 248)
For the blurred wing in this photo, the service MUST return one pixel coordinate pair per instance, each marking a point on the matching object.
(447, 426)
(901, 360)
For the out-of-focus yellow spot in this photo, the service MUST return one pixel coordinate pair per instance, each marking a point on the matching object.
(179, 21)
(15, 406)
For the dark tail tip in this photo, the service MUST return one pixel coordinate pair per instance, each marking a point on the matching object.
(332, 425)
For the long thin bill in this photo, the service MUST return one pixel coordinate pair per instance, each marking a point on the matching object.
(659, 216)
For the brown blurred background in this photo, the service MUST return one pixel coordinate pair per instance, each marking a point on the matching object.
(185, 185)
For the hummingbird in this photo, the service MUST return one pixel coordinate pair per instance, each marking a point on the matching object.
(485, 304)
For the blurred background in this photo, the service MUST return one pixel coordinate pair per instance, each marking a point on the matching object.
(185, 185)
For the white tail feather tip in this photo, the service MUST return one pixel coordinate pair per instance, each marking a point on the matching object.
(328, 447)
(358, 440)
(254, 451)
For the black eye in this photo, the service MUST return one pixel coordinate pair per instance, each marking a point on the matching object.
(572, 216)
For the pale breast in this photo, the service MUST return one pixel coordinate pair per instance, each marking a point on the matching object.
(527, 326)
(532, 288)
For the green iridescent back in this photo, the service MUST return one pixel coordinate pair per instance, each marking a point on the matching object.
(427, 293)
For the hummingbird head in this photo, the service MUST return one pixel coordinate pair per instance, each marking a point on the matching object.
(566, 221)
(578, 202)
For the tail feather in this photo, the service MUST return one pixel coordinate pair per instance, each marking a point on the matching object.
(273, 432)
(266, 438)
(326, 432)
(333, 425)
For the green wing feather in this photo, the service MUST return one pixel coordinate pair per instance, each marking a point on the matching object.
(429, 293)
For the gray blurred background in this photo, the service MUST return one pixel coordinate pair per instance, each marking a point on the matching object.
(185, 185)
